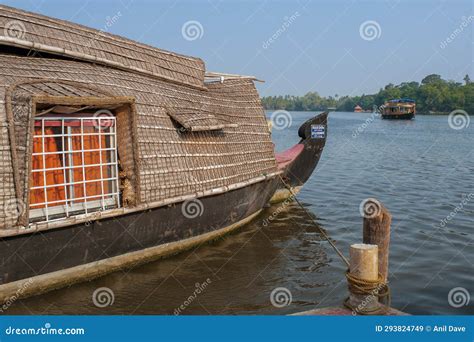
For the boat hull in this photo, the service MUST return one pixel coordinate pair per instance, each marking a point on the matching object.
(284, 193)
(302, 159)
(408, 116)
(43, 255)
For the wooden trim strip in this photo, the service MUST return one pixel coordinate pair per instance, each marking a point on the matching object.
(183, 155)
(83, 100)
(203, 168)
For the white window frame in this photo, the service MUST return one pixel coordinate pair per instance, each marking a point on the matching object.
(108, 200)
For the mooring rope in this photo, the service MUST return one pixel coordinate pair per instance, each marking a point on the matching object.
(323, 233)
(377, 288)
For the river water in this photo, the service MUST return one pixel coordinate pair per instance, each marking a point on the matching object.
(422, 170)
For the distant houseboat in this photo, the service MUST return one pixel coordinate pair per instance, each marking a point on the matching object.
(358, 109)
(114, 153)
(402, 109)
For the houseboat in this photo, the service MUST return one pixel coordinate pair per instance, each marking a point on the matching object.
(358, 109)
(402, 109)
(114, 153)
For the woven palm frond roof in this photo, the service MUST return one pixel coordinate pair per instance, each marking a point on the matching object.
(32, 31)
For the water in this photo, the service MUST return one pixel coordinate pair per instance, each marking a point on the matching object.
(422, 170)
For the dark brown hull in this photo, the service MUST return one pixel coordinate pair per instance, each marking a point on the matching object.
(398, 116)
(29, 255)
(301, 167)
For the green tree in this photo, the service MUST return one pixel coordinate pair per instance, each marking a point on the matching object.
(433, 94)
(433, 78)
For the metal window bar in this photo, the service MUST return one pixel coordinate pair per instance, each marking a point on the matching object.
(73, 166)
(101, 167)
(67, 152)
(44, 173)
(71, 134)
(108, 199)
(115, 154)
(70, 162)
(112, 194)
(64, 169)
(83, 161)
(72, 183)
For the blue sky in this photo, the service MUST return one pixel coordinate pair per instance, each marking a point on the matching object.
(317, 45)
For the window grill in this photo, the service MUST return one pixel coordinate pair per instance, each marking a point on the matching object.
(74, 167)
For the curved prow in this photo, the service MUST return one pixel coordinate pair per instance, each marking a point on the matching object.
(299, 161)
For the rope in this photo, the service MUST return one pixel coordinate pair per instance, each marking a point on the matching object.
(323, 233)
(375, 288)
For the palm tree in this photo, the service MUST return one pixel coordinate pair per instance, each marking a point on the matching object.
(467, 79)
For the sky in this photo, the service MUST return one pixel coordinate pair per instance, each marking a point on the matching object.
(331, 47)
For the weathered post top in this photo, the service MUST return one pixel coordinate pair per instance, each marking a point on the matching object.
(376, 230)
(364, 261)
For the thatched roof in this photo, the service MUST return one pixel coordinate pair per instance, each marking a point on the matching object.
(33, 31)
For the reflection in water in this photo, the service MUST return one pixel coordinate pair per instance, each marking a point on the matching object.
(421, 170)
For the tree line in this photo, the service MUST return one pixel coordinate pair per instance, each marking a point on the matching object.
(432, 95)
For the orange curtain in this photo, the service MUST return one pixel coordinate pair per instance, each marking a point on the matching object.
(52, 176)
(91, 142)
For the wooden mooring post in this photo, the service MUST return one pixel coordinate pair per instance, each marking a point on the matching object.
(376, 231)
(368, 271)
(368, 268)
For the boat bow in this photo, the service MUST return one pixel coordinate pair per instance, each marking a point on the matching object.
(298, 162)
